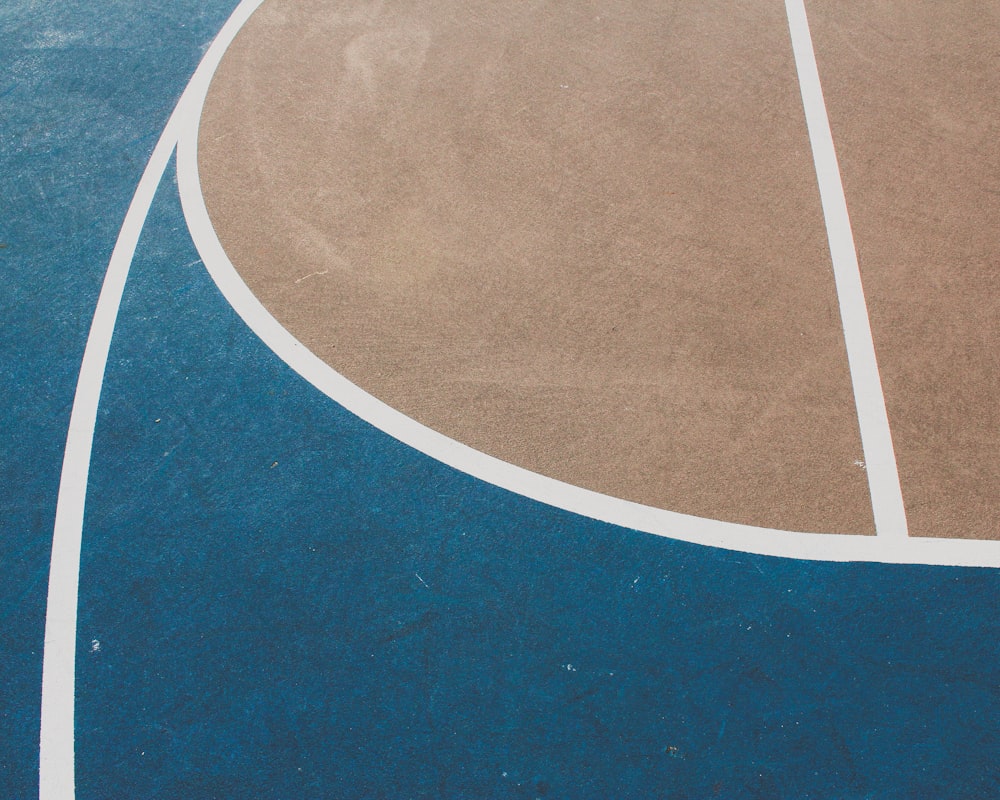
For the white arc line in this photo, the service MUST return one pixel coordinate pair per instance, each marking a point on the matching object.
(56, 759)
(56, 753)
(56, 747)
(613, 510)
(873, 420)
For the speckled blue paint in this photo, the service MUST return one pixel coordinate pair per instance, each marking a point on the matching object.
(85, 89)
(278, 601)
(290, 604)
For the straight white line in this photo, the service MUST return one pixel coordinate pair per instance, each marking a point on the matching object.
(876, 438)
(656, 521)
(56, 756)
(56, 747)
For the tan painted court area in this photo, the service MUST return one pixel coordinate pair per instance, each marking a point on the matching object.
(588, 240)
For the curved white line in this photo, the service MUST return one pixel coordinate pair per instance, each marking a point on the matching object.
(716, 533)
(56, 745)
(56, 757)
(56, 772)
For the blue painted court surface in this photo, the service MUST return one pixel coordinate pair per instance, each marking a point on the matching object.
(278, 600)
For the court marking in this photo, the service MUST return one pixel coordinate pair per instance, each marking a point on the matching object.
(56, 767)
(873, 419)
(56, 752)
(56, 745)
(605, 508)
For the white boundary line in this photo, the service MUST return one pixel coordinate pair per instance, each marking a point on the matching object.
(876, 438)
(56, 745)
(56, 773)
(56, 768)
(716, 533)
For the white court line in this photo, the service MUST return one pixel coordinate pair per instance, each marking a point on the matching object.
(56, 754)
(876, 438)
(56, 759)
(661, 522)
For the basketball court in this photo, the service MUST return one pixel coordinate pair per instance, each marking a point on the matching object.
(500, 400)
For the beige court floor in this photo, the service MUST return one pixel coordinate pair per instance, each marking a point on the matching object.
(587, 239)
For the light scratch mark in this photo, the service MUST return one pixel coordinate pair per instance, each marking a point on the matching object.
(312, 275)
